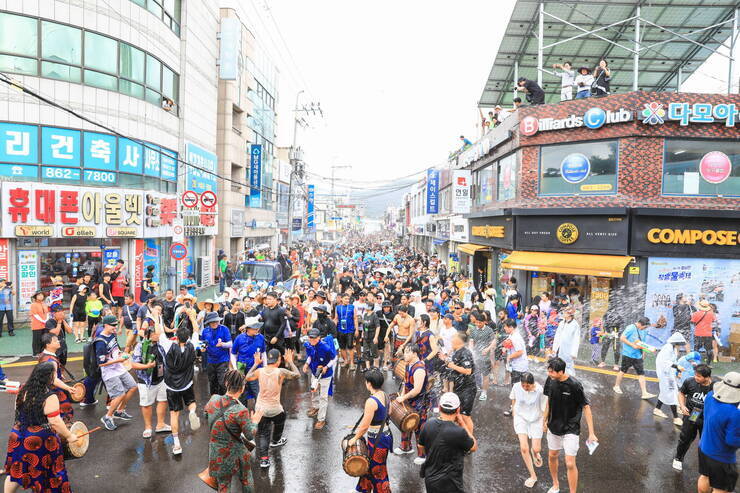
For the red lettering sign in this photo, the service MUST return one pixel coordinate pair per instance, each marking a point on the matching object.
(19, 205)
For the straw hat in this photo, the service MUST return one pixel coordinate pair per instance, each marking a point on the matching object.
(704, 305)
(216, 305)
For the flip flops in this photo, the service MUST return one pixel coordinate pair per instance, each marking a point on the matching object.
(530, 482)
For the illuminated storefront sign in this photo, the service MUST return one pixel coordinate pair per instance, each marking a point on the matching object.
(686, 113)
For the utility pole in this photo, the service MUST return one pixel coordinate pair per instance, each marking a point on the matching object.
(296, 154)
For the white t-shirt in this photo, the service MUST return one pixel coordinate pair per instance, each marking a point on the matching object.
(446, 335)
(520, 363)
(529, 406)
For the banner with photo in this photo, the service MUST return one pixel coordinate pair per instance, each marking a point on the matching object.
(716, 280)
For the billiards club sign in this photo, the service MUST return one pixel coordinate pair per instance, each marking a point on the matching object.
(593, 118)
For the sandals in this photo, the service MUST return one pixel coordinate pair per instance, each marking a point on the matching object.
(530, 482)
(537, 459)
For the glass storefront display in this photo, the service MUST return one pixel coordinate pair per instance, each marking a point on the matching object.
(586, 168)
(701, 167)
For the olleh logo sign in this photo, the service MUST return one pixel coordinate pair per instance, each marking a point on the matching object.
(593, 118)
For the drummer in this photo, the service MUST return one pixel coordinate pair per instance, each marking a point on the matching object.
(379, 438)
(414, 393)
(59, 326)
(35, 457)
(51, 345)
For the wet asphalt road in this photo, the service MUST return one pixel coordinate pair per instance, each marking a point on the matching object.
(634, 455)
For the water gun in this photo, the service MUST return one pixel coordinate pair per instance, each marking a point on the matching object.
(646, 347)
(147, 355)
(10, 386)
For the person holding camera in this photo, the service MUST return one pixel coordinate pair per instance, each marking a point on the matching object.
(533, 92)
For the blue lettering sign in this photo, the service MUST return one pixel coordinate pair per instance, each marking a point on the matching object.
(575, 168)
(255, 176)
(130, 156)
(19, 171)
(151, 160)
(19, 143)
(60, 174)
(432, 191)
(201, 176)
(310, 208)
(168, 165)
(99, 151)
(60, 147)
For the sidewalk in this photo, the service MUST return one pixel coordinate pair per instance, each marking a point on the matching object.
(20, 345)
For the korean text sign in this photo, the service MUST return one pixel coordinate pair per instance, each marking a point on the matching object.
(432, 191)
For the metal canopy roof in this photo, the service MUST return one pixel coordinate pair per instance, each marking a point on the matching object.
(676, 37)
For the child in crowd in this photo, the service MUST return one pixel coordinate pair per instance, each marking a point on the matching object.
(597, 331)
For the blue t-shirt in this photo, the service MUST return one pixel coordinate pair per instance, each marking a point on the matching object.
(512, 311)
(246, 346)
(633, 334)
(594, 338)
(720, 437)
(321, 355)
(216, 354)
(346, 318)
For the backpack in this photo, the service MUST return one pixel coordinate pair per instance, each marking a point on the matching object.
(90, 359)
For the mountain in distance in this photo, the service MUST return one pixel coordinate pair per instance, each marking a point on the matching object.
(376, 201)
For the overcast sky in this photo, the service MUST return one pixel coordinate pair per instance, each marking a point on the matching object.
(398, 80)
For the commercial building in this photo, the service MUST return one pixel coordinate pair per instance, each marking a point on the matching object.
(76, 195)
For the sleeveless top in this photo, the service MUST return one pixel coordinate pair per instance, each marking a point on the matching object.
(424, 343)
(24, 420)
(409, 382)
(268, 400)
(380, 413)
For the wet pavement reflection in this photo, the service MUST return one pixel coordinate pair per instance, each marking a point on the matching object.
(634, 455)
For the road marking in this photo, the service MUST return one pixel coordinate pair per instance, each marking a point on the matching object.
(34, 362)
(602, 371)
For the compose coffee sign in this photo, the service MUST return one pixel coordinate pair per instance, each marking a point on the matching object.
(676, 236)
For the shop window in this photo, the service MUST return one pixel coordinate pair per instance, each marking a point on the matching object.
(701, 167)
(101, 53)
(103, 81)
(61, 72)
(587, 168)
(131, 88)
(18, 65)
(18, 35)
(507, 177)
(60, 43)
(153, 73)
(485, 183)
(132, 63)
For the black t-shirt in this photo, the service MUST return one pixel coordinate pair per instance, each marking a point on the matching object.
(566, 406)
(168, 312)
(345, 281)
(695, 393)
(535, 91)
(273, 319)
(446, 445)
(464, 358)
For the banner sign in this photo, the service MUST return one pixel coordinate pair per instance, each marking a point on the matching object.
(461, 191)
(4, 258)
(203, 177)
(432, 191)
(310, 208)
(255, 176)
(28, 278)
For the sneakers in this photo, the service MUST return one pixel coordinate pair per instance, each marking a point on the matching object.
(122, 415)
(108, 423)
(265, 462)
(678, 421)
(279, 443)
(400, 451)
(617, 390)
(85, 404)
(483, 397)
(657, 412)
(677, 465)
(194, 421)
(419, 461)
(647, 395)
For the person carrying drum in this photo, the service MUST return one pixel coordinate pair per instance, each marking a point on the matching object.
(379, 438)
(35, 457)
(414, 393)
(119, 384)
(51, 345)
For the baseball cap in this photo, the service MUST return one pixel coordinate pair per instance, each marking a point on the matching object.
(449, 315)
(313, 333)
(449, 401)
(728, 390)
(110, 320)
(272, 356)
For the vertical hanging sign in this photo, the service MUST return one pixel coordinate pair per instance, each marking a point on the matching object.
(310, 208)
(432, 191)
(255, 176)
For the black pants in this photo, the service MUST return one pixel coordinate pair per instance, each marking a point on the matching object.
(9, 315)
(688, 434)
(280, 346)
(706, 343)
(216, 373)
(36, 345)
(267, 426)
(91, 323)
(612, 343)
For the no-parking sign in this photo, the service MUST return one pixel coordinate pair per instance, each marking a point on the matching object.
(178, 251)
(189, 199)
(208, 199)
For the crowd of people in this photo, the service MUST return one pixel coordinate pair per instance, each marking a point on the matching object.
(383, 310)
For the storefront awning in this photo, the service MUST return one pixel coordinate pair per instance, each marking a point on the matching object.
(470, 248)
(568, 263)
(439, 241)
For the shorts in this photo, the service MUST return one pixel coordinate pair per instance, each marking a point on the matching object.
(628, 363)
(369, 349)
(531, 429)
(346, 341)
(148, 395)
(467, 398)
(568, 442)
(118, 301)
(483, 366)
(79, 316)
(722, 476)
(179, 400)
(516, 376)
(119, 385)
